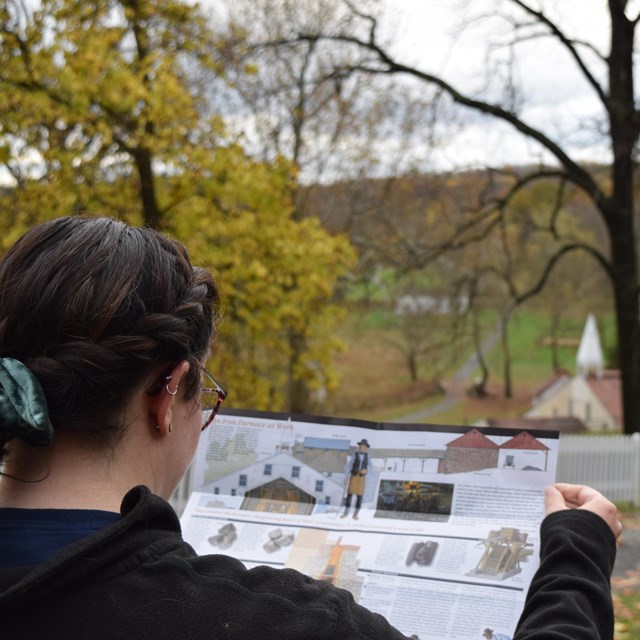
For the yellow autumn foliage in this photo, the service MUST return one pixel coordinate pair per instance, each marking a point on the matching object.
(83, 95)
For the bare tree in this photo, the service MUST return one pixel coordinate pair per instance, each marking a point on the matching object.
(293, 101)
(611, 77)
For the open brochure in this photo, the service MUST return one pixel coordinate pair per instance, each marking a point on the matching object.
(441, 535)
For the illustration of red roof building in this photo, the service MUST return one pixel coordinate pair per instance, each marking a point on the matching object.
(524, 441)
(525, 452)
(470, 452)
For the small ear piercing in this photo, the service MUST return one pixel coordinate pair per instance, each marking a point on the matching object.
(172, 393)
(170, 426)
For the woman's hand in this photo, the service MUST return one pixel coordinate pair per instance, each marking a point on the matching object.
(562, 496)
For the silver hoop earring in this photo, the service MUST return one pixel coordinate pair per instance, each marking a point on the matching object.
(172, 393)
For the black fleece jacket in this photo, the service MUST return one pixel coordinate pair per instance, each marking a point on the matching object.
(137, 579)
(570, 595)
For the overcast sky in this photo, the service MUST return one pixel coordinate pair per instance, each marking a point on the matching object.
(554, 96)
(431, 34)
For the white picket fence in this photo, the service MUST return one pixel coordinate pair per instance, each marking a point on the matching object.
(609, 463)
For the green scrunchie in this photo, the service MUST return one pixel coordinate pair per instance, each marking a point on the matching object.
(23, 406)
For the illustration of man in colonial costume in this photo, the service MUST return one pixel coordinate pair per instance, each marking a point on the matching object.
(358, 465)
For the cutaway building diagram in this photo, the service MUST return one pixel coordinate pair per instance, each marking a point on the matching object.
(335, 561)
(504, 551)
(523, 452)
(279, 484)
(340, 555)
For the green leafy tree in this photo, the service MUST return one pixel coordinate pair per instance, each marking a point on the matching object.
(94, 92)
(278, 276)
(102, 112)
(328, 125)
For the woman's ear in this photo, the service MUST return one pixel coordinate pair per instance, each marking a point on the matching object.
(161, 406)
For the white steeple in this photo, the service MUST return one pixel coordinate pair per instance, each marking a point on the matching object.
(589, 358)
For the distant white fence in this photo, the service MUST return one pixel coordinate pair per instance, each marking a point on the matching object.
(610, 464)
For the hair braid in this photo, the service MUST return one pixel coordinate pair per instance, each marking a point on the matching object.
(93, 307)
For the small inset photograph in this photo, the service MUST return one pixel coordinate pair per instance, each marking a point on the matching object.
(277, 540)
(422, 553)
(414, 500)
(226, 536)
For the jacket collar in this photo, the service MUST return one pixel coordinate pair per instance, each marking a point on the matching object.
(103, 553)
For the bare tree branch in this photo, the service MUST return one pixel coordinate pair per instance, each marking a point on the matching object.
(569, 44)
(553, 261)
(578, 174)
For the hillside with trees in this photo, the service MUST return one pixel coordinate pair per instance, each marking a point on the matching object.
(608, 70)
(278, 140)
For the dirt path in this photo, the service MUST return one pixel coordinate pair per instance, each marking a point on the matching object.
(626, 570)
(456, 387)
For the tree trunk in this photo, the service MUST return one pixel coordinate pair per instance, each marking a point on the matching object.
(412, 362)
(506, 353)
(151, 213)
(299, 394)
(480, 386)
(625, 289)
(619, 210)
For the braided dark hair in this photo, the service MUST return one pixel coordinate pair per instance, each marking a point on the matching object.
(93, 306)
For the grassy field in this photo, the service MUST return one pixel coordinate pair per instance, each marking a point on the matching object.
(627, 607)
(626, 588)
(375, 383)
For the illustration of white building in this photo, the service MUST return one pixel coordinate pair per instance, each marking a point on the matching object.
(280, 483)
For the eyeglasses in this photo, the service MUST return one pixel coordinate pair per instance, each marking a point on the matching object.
(211, 397)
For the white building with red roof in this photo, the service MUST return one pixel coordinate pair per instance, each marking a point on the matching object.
(474, 451)
(594, 395)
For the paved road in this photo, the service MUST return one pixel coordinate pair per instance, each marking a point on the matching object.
(456, 388)
(628, 556)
